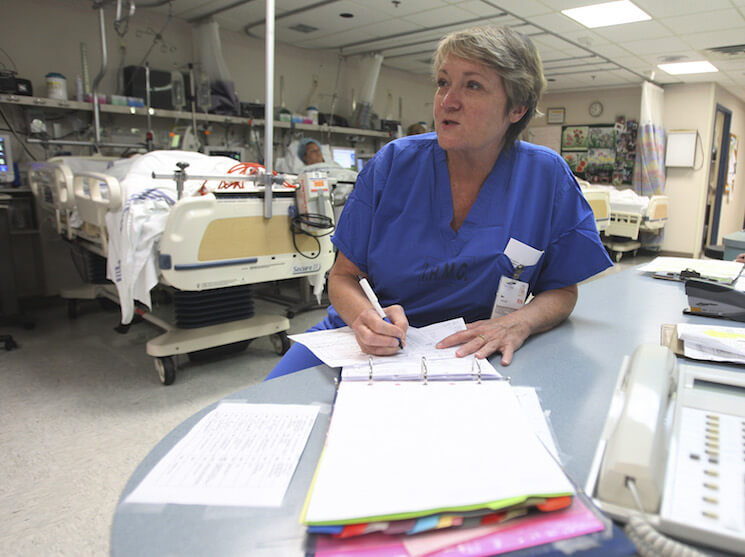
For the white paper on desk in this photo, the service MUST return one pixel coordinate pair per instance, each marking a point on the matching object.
(723, 271)
(718, 342)
(701, 352)
(395, 448)
(528, 399)
(338, 347)
(239, 454)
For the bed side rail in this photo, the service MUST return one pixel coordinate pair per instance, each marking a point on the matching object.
(95, 195)
(211, 243)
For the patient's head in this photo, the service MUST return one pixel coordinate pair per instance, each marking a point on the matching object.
(309, 151)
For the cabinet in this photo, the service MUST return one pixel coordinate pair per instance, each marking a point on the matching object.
(23, 258)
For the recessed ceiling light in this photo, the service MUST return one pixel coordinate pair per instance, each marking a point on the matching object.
(688, 67)
(604, 15)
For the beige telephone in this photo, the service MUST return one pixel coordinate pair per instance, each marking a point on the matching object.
(674, 445)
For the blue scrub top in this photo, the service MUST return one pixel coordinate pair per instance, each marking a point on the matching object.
(395, 227)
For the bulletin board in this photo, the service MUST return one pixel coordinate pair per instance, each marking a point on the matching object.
(601, 153)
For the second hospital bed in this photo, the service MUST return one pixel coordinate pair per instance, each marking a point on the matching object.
(208, 246)
(622, 214)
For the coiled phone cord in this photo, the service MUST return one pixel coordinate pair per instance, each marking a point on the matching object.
(648, 541)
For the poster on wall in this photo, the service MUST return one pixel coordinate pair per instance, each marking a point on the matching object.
(603, 153)
(574, 138)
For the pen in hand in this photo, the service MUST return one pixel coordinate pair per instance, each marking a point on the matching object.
(367, 289)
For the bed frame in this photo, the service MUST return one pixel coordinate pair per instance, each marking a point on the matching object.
(199, 257)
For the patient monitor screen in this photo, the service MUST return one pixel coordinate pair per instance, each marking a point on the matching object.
(237, 153)
(345, 157)
(6, 163)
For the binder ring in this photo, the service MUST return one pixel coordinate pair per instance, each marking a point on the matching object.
(424, 369)
(370, 373)
(476, 363)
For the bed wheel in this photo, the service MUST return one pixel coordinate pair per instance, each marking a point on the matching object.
(633, 253)
(72, 309)
(281, 343)
(166, 368)
(618, 256)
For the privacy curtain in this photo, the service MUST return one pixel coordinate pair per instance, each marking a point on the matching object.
(649, 171)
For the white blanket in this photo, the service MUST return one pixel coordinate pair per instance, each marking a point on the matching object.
(626, 199)
(135, 230)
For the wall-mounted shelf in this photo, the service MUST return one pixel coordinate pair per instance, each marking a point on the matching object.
(44, 103)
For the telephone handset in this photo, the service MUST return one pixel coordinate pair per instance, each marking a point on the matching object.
(674, 445)
(638, 444)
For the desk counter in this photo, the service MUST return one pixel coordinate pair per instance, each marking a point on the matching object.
(574, 368)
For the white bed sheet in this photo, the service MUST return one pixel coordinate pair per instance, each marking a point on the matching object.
(625, 200)
(135, 230)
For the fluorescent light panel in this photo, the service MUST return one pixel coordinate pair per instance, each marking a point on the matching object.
(605, 15)
(679, 68)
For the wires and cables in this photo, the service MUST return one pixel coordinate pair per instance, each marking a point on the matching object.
(303, 223)
(648, 541)
(15, 134)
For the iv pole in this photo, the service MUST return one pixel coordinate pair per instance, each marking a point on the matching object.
(269, 110)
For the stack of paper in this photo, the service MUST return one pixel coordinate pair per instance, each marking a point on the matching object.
(412, 455)
(714, 343)
(675, 268)
(420, 357)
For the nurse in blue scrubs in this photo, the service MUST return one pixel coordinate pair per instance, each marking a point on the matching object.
(431, 215)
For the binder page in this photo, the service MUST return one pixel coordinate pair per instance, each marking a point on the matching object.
(338, 347)
(411, 369)
(401, 450)
(239, 454)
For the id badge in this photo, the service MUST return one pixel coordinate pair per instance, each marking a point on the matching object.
(511, 295)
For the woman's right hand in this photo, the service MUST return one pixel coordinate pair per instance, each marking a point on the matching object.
(378, 337)
(740, 258)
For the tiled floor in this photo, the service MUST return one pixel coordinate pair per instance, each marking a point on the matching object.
(81, 405)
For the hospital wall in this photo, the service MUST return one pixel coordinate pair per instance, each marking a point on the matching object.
(687, 106)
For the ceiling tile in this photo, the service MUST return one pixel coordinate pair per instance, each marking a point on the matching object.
(438, 16)
(666, 8)
(712, 39)
(669, 45)
(705, 21)
(635, 31)
(522, 8)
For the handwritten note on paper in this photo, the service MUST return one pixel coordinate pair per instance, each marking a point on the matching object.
(238, 455)
(338, 347)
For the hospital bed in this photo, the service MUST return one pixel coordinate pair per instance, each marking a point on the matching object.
(206, 246)
(599, 201)
(630, 214)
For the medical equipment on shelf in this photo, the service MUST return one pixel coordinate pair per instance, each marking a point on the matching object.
(208, 244)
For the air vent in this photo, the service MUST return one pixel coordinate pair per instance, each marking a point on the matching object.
(731, 52)
(303, 28)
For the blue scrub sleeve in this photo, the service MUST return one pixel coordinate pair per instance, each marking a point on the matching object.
(298, 357)
(355, 222)
(575, 252)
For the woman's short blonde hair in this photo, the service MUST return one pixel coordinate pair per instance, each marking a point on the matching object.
(513, 56)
